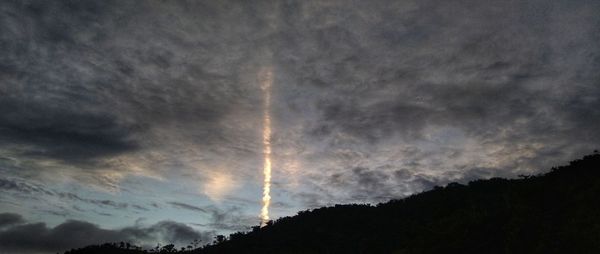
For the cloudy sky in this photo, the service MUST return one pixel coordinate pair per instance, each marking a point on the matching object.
(142, 120)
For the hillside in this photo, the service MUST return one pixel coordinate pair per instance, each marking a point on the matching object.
(558, 212)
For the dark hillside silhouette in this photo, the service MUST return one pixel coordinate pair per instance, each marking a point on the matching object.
(558, 212)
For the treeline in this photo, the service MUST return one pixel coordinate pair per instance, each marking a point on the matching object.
(127, 248)
(557, 212)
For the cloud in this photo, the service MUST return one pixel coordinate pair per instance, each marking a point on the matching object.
(49, 200)
(8, 219)
(98, 202)
(16, 185)
(218, 186)
(227, 218)
(230, 218)
(139, 207)
(187, 207)
(167, 232)
(38, 238)
(93, 106)
(60, 134)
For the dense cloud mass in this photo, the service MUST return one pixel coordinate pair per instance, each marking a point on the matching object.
(112, 110)
(24, 237)
(8, 219)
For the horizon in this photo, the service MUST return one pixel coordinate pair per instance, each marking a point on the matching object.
(173, 121)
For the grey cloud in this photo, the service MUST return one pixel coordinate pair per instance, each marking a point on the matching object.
(16, 185)
(23, 187)
(60, 124)
(501, 76)
(92, 97)
(59, 134)
(97, 202)
(280, 204)
(139, 207)
(104, 214)
(229, 218)
(310, 199)
(363, 185)
(377, 185)
(170, 232)
(387, 70)
(60, 213)
(37, 237)
(484, 82)
(8, 219)
(187, 207)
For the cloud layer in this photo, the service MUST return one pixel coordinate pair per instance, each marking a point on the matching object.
(23, 237)
(153, 107)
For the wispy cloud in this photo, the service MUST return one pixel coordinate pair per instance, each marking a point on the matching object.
(187, 207)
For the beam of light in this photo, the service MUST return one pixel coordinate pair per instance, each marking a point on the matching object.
(266, 80)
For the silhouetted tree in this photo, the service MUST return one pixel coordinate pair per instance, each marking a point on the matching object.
(169, 248)
(219, 239)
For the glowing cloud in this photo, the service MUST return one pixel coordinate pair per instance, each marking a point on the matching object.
(219, 185)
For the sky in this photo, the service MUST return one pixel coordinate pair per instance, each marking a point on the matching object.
(143, 120)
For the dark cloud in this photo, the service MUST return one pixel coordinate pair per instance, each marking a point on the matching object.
(311, 200)
(483, 81)
(38, 238)
(386, 71)
(378, 185)
(76, 95)
(65, 122)
(483, 89)
(169, 232)
(19, 186)
(139, 207)
(60, 213)
(231, 218)
(364, 185)
(60, 134)
(8, 219)
(187, 207)
(363, 182)
(98, 202)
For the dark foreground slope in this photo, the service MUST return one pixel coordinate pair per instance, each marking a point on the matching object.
(558, 212)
